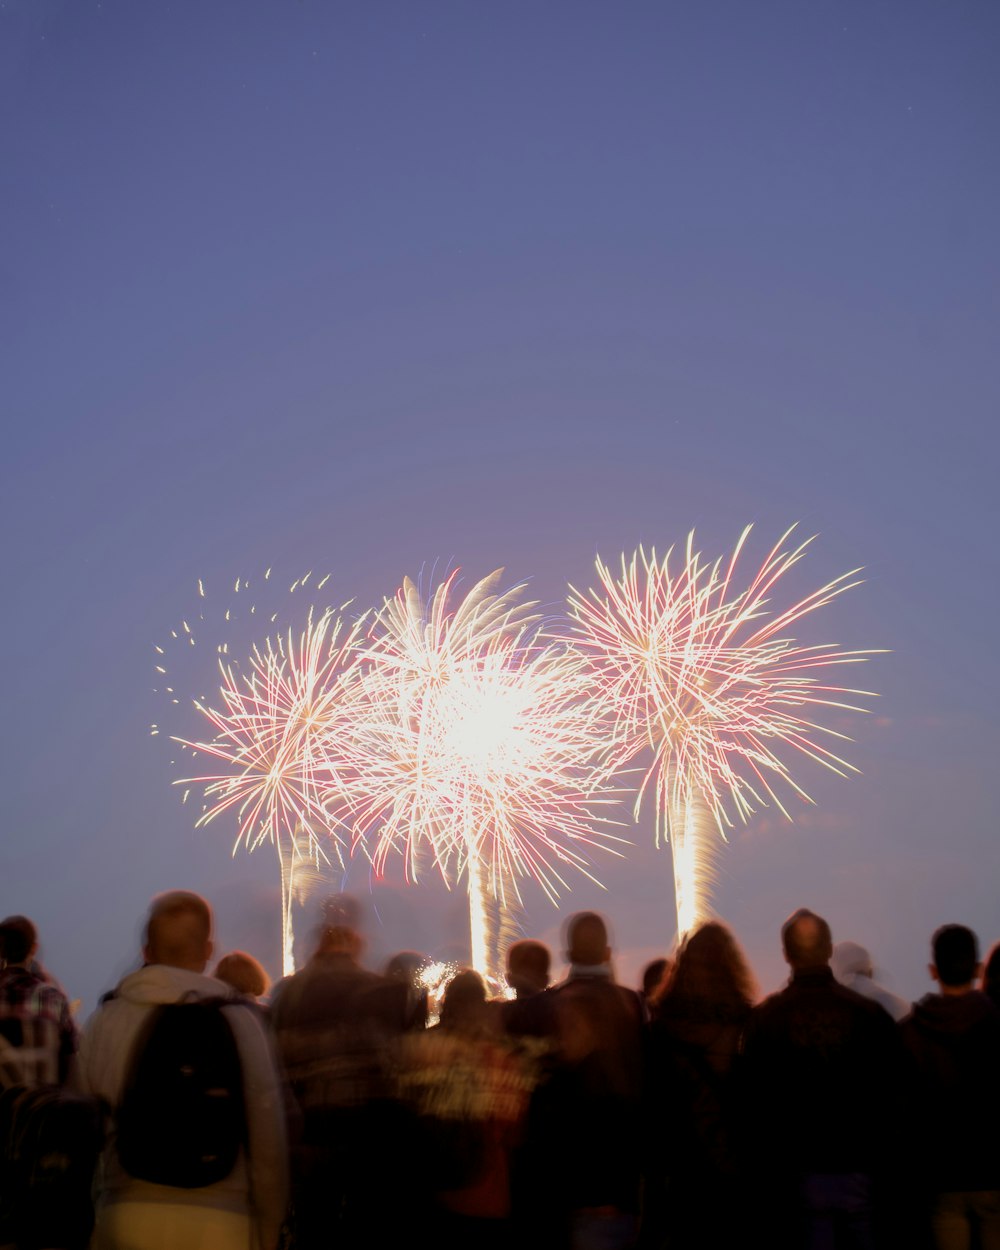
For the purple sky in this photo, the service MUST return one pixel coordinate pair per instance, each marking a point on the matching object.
(364, 286)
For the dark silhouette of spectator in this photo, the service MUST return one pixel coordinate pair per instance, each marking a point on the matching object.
(336, 1024)
(821, 1073)
(528, 966)
(530, 1012)
(247, 1207)
(954, 1039)
(695, 1194)
(529, 1022)
(597, 1090)
(406, 967)
(38, 1038)
(990, 982)
(470, 1093)
(654, 978)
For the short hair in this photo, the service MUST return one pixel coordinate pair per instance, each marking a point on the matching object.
(653, 975)
(178, 929)
(528, 962)
(956, 954)
(243, 973)
(18, 938)
(587, 939)
(806, 940)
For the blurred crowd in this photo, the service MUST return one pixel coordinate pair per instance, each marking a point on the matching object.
(343, 1108)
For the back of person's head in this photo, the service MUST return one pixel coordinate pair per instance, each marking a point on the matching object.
(956, 955)
(711, 970)
(653, 976)
(806, 941)
(528, 964)
(18, 939)
(405, 966)
(243, 973)
(991, 974)
(339, 939)
(587, 940)
(464, 1007)
(179, 931)
(851, 960)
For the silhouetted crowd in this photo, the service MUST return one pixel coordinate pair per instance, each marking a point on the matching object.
(338, 1110)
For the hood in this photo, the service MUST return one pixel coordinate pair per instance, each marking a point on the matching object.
(952, 1014)
(850, 960)
(158, 983)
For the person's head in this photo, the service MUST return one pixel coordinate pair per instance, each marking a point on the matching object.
(991, 974)
(18, 940)
(851, 960)
(405, 966)
(179, 931)
(653, 976)
(340, 939)
(806, 941)
(243, 973)
(587, 940)
(710, 969)
(955, 954)
(464, 1007)
(528, 967)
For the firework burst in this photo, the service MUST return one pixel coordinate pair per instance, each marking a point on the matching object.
(274, 724)
(477, 749)
(708, 679)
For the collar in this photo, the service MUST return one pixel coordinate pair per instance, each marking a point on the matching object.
(591, 972)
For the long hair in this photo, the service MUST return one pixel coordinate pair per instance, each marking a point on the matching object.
(710, 972)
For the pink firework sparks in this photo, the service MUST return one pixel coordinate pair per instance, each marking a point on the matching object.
(273, 732)
(709, 678)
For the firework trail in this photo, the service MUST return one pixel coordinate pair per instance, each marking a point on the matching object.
(274, 727)
(708, 678)
(477, 750)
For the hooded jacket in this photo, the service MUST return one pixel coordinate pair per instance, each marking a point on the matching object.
(954, 1042)
(258, 1184)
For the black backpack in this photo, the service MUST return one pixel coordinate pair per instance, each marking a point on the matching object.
(49, 1144)
(182, 1121)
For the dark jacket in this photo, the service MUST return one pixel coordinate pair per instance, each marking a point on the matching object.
(597, 1090)
(822, 1075)
(954, 1043)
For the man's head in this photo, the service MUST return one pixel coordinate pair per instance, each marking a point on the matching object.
(806, 941)
(956, 958)
(527, 967)
(587, 940)
(179, 931)
(18, 940)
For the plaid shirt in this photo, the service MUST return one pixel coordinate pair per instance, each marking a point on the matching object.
(37, 1035)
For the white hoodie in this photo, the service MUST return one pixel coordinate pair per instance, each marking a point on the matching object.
(258, 1184)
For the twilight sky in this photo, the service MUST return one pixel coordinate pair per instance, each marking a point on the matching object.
(364, 286)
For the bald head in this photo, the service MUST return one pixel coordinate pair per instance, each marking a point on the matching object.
(806, 940)
(587, 940)
(179, 931)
